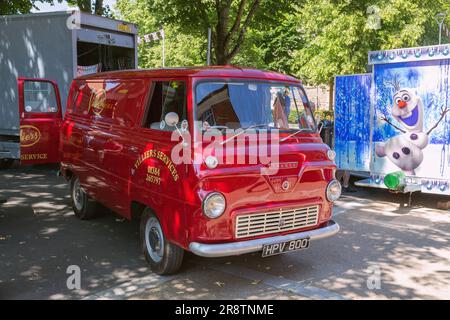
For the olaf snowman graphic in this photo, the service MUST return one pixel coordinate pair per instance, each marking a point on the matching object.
(406, 149)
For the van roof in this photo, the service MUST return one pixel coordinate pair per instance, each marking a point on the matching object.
(207, 72)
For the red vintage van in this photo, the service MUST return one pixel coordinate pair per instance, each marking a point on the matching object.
(218, 161)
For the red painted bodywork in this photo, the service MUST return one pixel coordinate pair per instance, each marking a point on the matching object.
(43, 127)
(103, 155)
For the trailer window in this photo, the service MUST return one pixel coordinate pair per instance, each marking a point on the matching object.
(39, 97)
(167, 96)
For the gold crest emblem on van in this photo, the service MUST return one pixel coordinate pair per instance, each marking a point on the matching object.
(97, 102)
(29, 136)
(76, 140)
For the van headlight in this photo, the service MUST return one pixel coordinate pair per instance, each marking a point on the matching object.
(214, 205)
(334, 190)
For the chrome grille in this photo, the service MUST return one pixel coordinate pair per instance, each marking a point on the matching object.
(257, 224)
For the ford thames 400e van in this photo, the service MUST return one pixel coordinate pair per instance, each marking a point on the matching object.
(218, 161)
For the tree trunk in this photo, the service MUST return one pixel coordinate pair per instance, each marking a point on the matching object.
(220, 51)
(331, 96)
(223, 11)
(98, 7)
(228, 41)
(84, 5)
(221, 59)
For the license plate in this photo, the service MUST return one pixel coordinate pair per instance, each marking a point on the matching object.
(282, 247)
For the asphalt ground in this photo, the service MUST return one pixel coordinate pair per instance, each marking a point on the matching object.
(382, 252)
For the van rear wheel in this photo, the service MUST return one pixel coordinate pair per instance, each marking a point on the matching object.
(162, 256)
(84, 207)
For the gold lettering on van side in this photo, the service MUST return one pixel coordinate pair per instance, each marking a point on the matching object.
(153, 179)
(153, 175)
(156, 154)
(34, 156)
(154, 171)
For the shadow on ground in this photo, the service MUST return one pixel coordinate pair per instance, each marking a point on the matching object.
(40, 238)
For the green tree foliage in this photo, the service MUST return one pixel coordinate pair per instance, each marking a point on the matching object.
(278, 44)
(94, 6)
(25, 6)
(230, 20)
(312, 39)
(18, 6)
(182, 49)
(337, 35)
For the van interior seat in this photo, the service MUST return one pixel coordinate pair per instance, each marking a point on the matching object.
(155, 125)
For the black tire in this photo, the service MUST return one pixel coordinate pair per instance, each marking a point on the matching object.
(165, 259)
(6, 163)
(85, 208)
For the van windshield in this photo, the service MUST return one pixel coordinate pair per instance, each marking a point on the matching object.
(258, 104)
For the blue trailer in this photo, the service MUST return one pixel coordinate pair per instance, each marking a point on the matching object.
(396, 119)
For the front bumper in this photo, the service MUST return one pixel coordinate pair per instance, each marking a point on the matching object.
(242, 247)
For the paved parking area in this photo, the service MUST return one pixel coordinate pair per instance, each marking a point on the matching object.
(381, 252)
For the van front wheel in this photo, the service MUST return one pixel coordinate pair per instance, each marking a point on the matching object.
(162, 256)
(84, 207)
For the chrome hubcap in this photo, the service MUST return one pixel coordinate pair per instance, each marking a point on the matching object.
(78, 195)
(154, 239)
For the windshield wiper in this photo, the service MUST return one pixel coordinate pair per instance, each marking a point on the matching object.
(243, 131)
(296, 132)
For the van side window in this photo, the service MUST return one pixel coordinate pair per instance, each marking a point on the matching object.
(167, 96)
(39, 97)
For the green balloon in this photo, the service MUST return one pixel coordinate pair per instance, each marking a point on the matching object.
(395, 180)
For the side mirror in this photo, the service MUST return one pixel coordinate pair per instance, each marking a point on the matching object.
(172, 119)
(312, 107)
(320, 127)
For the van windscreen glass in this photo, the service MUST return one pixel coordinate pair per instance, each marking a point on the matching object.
(266, 105)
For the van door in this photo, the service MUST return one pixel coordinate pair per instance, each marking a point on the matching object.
(153, 169)
(40, 119)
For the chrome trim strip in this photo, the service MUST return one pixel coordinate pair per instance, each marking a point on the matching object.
(242, 247)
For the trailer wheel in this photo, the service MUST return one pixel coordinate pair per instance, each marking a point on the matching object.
(84, 207)
(6, 163)
(162, 256)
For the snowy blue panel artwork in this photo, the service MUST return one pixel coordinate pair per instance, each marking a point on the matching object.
(352, 122)
(411, 120)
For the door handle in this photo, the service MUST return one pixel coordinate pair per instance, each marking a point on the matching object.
(87, 141)
(134, 149)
